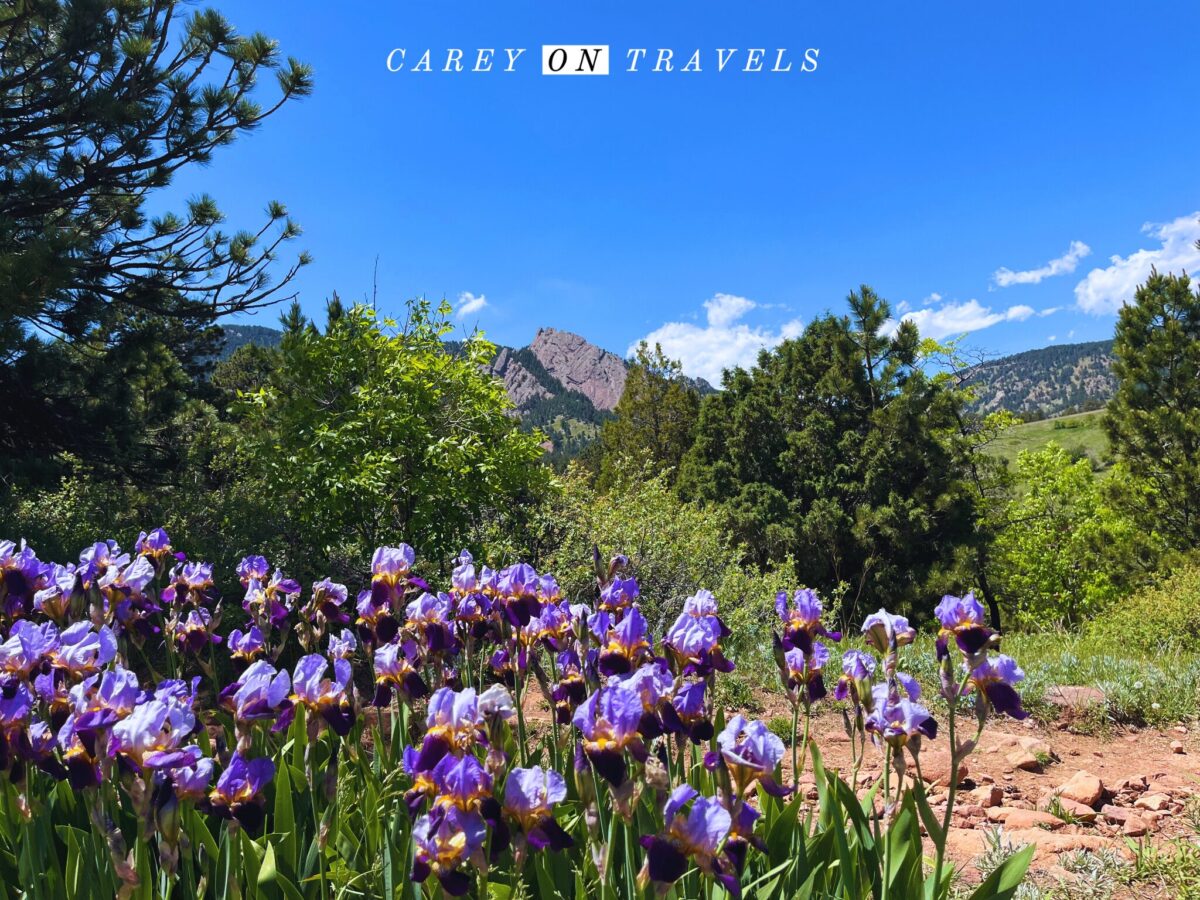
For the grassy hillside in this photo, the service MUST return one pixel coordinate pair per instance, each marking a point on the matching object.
(1080, 434)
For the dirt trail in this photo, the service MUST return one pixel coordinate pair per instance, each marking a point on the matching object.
(1043, 785)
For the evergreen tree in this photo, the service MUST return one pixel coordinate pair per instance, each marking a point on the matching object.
(1153, 421)
(655, 418)
(101, 102)
(838, 451)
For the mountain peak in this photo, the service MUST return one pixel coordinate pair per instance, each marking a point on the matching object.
(581, 366)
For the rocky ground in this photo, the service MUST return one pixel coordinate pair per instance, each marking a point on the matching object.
(1042, 784)
(1051, 787)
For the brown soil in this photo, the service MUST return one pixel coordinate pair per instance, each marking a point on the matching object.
(1145, 778)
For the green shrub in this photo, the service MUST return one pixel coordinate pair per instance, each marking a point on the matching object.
(1160, 618)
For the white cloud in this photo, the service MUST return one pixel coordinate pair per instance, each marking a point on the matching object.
(725, 309)
(957, 318)
(1064, 265)
(723, 342)
(1105, 291)
(1052, 338)
(1049, 311)
(469, 303)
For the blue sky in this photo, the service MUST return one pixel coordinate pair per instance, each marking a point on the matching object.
(1006, 169)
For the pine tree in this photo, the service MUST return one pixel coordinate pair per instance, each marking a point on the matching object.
(655, 418)
(1153, 421)
(101, 103)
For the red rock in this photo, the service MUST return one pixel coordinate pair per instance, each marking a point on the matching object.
(1154, 802)
(1075, 696)
(935, 768)
(988, 795)
(1024, 818)
(1176, 746)
(1083, 787)
(1116, 814)
(1134, 826)
(1023, 759)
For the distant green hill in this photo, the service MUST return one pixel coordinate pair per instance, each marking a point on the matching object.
(1080, 435)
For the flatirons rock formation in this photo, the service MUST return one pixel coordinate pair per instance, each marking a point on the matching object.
(580, 366)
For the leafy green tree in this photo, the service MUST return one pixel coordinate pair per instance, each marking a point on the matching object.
(370, 432)
(655, 418)
(1153, 421)
(1067, 552)
(101, 103)
(838, 451)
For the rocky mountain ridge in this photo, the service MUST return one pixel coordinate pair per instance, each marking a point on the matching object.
(1048, 381)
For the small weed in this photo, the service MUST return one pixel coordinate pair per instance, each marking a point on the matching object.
(1055, 808)
(1174, 866)
(1191, 814)
(781, 727)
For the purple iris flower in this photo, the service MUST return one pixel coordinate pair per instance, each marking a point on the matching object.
(153, 735)
(393, 562)
(195, 632)
(805, 670)
(16, 706)
(688, 713)
(529, 797)
(83, 652)
(342, 646)
(489, 581)
(28, 647)
(517, 592)
(628, 644)
(752, 753)
(652, 682)
(453, 725)
(899, 720)
(328, 698)
(609, 721)
(96, 560)
(447, 839)
(802, 619)
(882, 628)
(259, 693)
(239, 791)
(102, 700)
(155, 544)
(462, 579)
(692, 836)
(552, 626)
(22, 575)
(376, 624)
(571, 688)
(395, 669)
(54, 600)
(694, 642)
(858, 669)
(462, 782)
(328, 598)
(246, 645)
(429, 617)
(42, 743)
(271, 604)
(253, 568)
(191, 782)
(549, 590)
(619, 594)
(962, 619)
(130, 580)
(996, 679)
